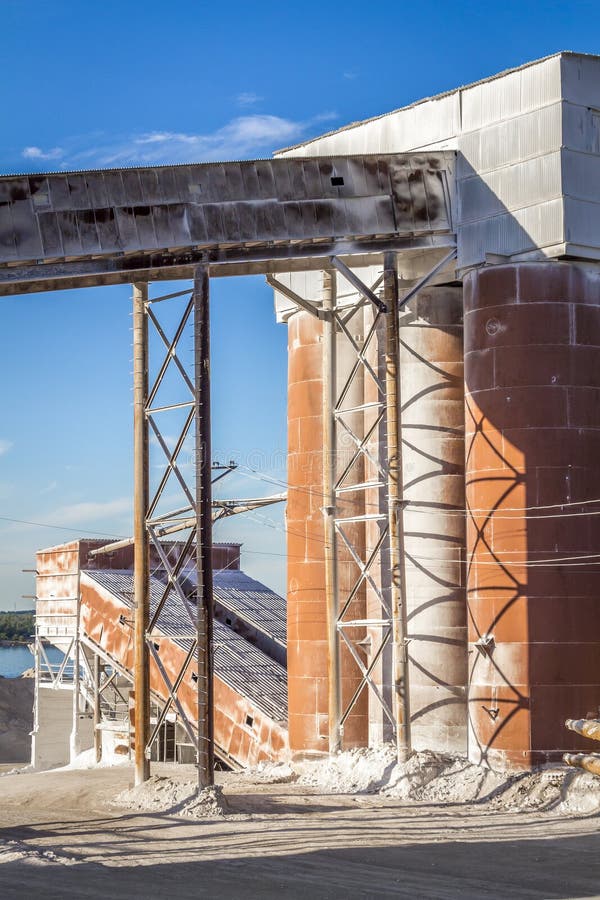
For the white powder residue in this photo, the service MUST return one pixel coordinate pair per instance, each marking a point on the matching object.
(178, 798)
(437, 778)
(15, 851)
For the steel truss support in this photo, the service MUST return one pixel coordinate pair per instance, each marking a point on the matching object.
(355, 473)
(368, 472)
(175, 409)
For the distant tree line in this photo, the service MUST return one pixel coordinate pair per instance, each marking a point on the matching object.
(16, 626)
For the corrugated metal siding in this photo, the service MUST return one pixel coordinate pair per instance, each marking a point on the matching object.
(508, 143)
(580, 79)
(513, 133)
(238, 663)
(533, 181)
(253, 602)
(513, 232)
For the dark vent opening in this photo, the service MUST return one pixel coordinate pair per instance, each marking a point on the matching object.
(194, 676)
(249, 721)
(337, 180)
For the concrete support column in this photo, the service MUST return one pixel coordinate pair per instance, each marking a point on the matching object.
(432, 425)
(532, 371)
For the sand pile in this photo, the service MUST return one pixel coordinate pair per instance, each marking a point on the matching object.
(438, 778)
(16, 719)
(178, 798)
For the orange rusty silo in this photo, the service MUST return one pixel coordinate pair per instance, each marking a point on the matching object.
(532, 370)
(307, 625)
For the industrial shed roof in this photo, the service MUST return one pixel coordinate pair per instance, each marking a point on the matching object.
(242, 666)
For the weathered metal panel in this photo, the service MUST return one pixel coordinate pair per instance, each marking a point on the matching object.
(80, 216)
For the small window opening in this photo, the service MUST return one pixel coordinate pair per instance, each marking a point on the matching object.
(227, 620)
(194, 676)
(155, 645)
(249, 721)
(337, 180)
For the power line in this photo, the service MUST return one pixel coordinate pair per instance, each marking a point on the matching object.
(454, 511)
(60, 527)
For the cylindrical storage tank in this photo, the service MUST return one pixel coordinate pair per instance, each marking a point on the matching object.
(307, 656)
(532, 373)
(432, 428)
(307, 653)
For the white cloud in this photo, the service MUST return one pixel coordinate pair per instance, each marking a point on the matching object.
(242, 137)
(4, 446)
(248, 98)
(350, 76)
(89, 512)
(38, 153)
(239, 138)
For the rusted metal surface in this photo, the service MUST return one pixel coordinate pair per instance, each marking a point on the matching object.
(141, 492)
(57, 584)
(532, 342)
(106, 227)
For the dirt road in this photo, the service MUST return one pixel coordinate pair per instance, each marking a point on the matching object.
(60, 837)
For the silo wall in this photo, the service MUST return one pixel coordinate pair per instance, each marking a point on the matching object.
(532, 372)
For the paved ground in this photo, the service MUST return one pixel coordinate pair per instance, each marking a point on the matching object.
(281, 841)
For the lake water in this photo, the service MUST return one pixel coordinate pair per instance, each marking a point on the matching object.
(15, 660)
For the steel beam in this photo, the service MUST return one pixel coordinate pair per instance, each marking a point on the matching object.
(395, 512)
(203, 462)
(329, 478)
(140, 512)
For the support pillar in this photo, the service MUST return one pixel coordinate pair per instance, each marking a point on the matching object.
(97, 714)
(140, 509)
(329, 502)
(400, 678)
(74, 743)
(203, 527)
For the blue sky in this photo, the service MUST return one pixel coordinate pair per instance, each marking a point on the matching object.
(89, 85)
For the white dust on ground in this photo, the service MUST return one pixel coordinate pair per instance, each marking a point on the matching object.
(87, 760)
(438, 778)
(161, 794)
(16, 719)
(14, 851)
